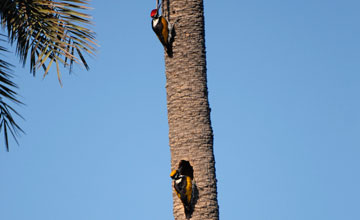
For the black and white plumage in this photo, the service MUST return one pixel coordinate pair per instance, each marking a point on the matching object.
(183, 185)
(163, 30)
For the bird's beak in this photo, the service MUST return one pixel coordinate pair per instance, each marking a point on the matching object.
(159, 6)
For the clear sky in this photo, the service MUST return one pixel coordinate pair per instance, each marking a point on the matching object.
(284, 88)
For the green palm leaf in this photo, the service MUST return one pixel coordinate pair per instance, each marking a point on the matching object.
(48, 31)
(7, 122)
(44, 32)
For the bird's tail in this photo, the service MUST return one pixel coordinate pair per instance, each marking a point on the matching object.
(169, 51)
(188, 211)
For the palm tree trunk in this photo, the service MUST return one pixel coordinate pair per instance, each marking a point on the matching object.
(190, 132)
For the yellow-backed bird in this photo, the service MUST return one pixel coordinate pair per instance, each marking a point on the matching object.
(183, 185)
(162, 29)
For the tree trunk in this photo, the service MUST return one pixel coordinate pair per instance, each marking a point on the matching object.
(190, 132)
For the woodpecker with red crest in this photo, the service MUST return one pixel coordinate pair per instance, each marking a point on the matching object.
(162, 28)
(183, 185)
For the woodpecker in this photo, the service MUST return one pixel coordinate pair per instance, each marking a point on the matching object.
(163, 29)
(183, 185)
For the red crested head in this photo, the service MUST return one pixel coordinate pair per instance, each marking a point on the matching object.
(154, 13)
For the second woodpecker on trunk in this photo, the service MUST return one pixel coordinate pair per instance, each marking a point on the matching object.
(183, 185)
(163, 30)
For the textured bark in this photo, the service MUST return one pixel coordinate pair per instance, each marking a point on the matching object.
(190, 132)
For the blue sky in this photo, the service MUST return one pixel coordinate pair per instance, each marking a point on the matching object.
(284, 87)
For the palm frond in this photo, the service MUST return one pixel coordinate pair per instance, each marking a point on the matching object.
(48, 31)
(7, 122)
